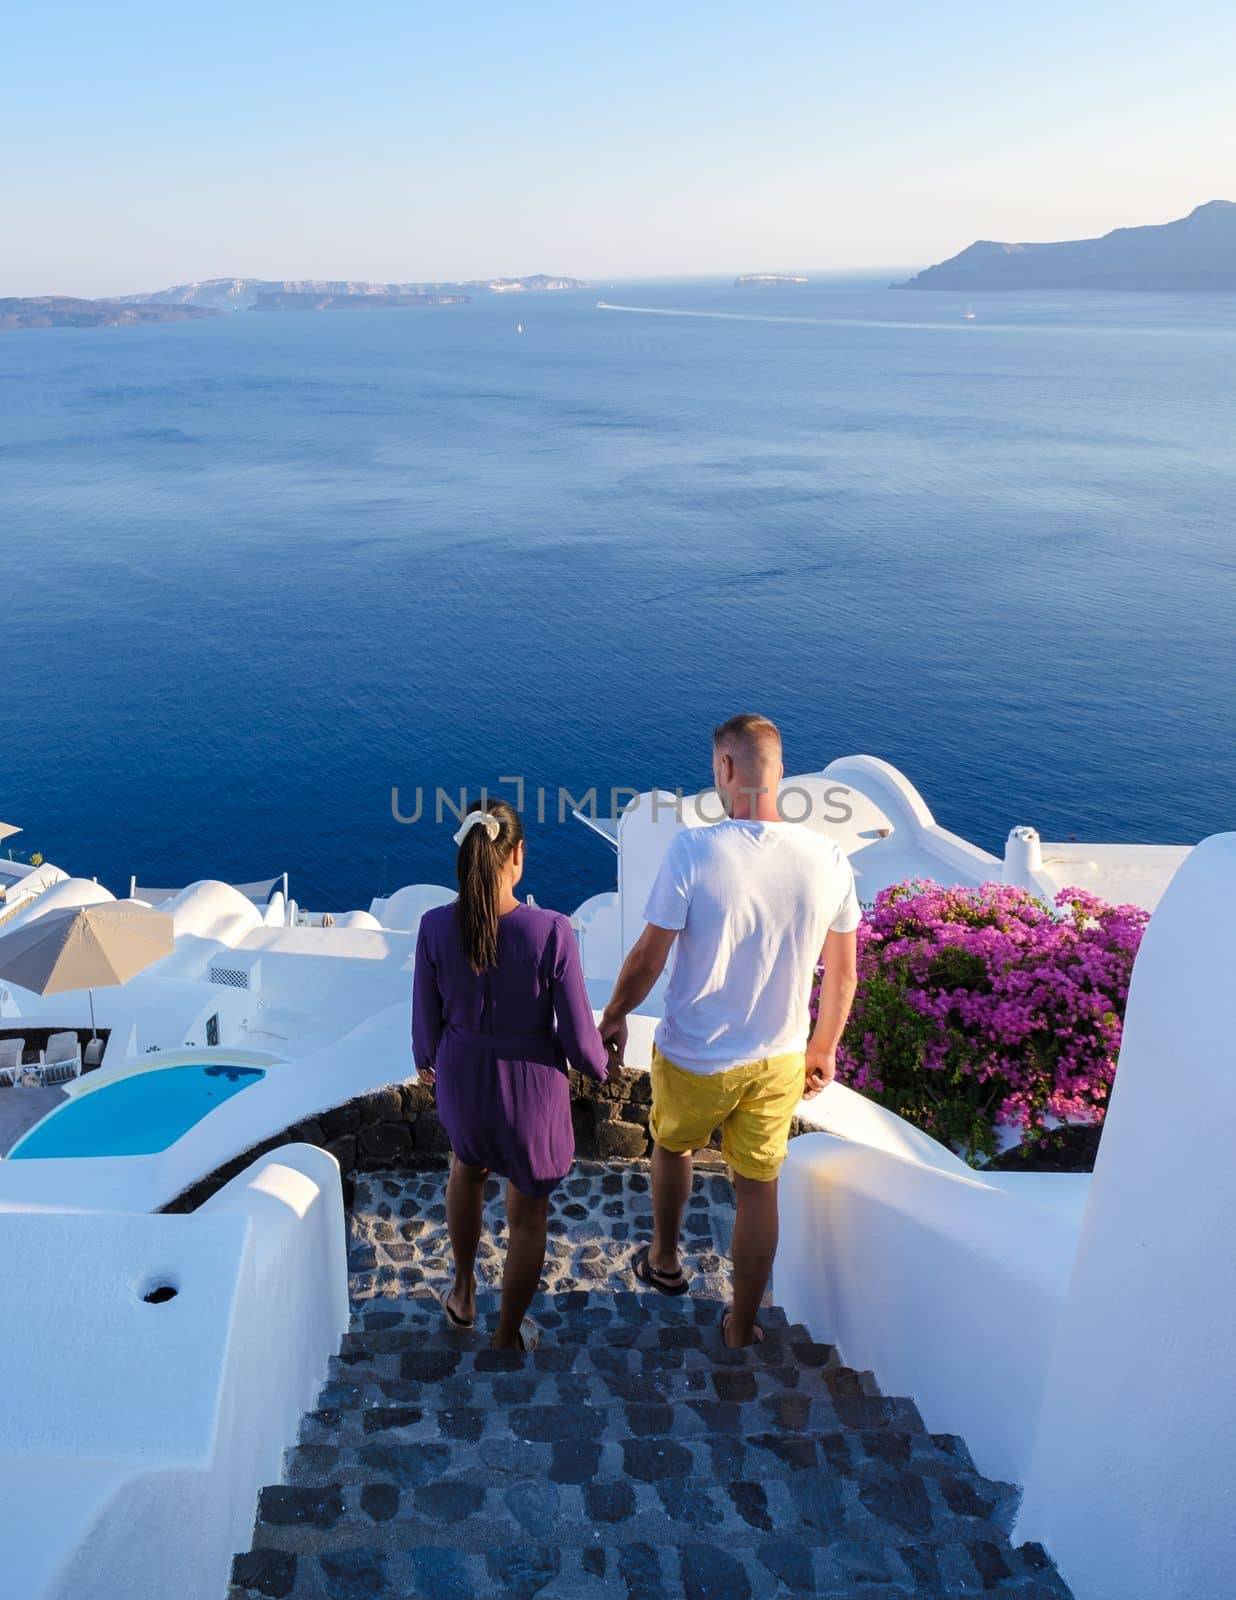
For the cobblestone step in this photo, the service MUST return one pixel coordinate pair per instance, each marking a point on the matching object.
(631, 1455)
(587, 1307)
(580, 1419)
(393, 1457)
(646, 1334)
(350, 1393)
(391, 1353)
(400, 1500)
(697, 1569)
(429, 1363)
(759, 1456)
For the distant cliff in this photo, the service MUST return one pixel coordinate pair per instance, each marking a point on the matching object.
(184, 302)
(310, 300)
(61, 311)
(1196, 252)
(286, 294)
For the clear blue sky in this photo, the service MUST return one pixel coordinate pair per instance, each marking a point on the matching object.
(146, 144)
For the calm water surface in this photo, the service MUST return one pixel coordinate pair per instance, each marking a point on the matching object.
(258, 570)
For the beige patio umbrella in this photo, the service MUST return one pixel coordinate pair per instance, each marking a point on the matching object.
(92, 947)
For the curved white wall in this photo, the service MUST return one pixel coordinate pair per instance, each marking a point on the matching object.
(887, 787)
(946, 1287)
(1132, 1482)
(918, 845)
(849, 1115)
(119, 1487)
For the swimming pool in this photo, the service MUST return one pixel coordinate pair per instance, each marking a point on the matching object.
(135, 1116)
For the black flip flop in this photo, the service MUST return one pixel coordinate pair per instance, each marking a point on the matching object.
(645, 1272)
(757, 1333)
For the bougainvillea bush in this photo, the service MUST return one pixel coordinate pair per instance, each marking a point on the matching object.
(983, 1006)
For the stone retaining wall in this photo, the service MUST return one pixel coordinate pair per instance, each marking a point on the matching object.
(398, 1127)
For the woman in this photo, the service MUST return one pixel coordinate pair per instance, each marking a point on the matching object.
(499, 1008)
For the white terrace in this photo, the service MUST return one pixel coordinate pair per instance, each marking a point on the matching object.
(1077, 1330)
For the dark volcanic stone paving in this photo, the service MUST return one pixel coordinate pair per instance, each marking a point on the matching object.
(631, 1456)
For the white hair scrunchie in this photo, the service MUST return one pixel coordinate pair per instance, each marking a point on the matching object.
(486, 819)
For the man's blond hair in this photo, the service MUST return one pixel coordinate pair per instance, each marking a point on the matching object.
(753, 741)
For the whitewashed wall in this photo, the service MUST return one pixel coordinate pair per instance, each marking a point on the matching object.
(1078, 1334)
(1133, 1482)
(134, 1437)
(947, 1288)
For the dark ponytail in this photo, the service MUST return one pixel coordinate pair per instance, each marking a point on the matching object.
(479, 871)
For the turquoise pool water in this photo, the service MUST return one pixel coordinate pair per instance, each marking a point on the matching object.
(135, 1116)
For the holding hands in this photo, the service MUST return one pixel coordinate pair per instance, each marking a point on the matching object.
(613, 1031)
(821, 1069)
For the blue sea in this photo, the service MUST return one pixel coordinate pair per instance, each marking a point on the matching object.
(260, 570)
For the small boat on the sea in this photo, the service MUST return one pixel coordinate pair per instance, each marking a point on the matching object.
(519, 327)
(967, 316)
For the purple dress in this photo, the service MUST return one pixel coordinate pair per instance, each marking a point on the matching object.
(499, 1042)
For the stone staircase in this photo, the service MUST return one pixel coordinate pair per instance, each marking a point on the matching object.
(631, 1455)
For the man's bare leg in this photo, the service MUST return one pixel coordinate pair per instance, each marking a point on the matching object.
(671, 1189)
(753, 1250)
(465, 1200)
(526, 1220)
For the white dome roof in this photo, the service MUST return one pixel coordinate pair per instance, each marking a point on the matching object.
(402, 911)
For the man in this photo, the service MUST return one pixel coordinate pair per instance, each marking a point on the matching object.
(751, 904)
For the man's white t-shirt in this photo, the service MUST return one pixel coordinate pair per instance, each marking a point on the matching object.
(752, 903)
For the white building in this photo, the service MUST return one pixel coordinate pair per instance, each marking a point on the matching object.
(1076, 1329)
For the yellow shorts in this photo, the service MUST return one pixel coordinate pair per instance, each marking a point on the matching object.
(753, 1105)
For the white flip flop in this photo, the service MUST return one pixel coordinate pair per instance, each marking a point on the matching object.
(456, 1322)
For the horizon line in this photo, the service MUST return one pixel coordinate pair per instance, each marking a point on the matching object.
(585, 282)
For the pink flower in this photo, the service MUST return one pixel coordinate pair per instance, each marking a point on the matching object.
(980, 1005)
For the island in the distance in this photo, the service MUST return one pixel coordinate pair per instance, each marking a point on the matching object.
(333, 294)
(1195, 252)
(62, 311)
(324, 300)
(761, 280)
(185, 302)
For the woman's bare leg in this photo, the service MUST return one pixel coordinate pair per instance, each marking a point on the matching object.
(526, 1218)
(465, 1200)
